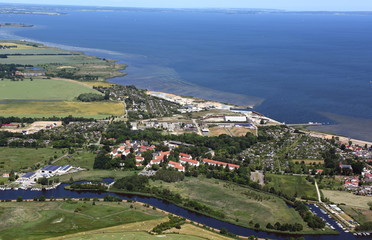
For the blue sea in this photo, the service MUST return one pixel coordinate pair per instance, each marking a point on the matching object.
(294, 68)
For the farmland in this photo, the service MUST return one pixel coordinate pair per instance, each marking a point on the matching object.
(42, 89)
(39, 109)
(57, 62)
(51, 97)
(292, 186)
(41, 84)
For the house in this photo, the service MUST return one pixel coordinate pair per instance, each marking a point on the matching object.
(139, 159)
(176, 166)
(189, 161)
(5, 175)
(126, 152)
(345, 168)
(319, 171)
(155, 161)
(217, 163)
(184, 155)
(162, 155)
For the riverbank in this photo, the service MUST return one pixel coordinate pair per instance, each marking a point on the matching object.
(250, 211)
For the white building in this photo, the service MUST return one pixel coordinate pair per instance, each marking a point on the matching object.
(235, 118)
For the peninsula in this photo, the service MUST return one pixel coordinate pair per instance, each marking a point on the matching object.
(15, 25)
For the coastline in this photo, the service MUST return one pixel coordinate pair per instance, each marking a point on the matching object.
(121, 74)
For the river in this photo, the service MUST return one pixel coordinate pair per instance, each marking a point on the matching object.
(61, 192)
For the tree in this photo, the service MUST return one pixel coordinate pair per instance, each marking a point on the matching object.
(223, 231)
(370, 205)
(147, 155)
(42, 181)
(42, 198)
(269, 226)
(19, 199)
(357, 167)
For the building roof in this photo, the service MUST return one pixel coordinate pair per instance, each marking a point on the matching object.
(189, 160)
(50, 168)
(28, 175)
(206, 160)
(65, 168)
(346, 166)
(184, 155)
(176, 165)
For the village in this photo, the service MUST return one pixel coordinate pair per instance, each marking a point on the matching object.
(158, 158)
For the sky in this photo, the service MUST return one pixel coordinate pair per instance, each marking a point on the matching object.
(292, 5)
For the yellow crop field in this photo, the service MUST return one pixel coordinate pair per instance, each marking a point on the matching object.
(19, 46)
(62, 108)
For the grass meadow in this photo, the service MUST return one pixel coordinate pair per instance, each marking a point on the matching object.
(93, 175)
(292, 185)
(240, 204)
(22, 158)
(347, 198)
(40, 220)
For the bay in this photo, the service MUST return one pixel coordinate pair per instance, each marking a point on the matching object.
(294, 68)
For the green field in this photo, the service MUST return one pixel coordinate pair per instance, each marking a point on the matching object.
(361, 215)
(23, 158)
(42, 89)
(239, 204)
(292, 186)
(81, 159)
(39, 220)
(350, 199)
(50, 97)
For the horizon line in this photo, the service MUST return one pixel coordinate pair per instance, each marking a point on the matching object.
(181, 8)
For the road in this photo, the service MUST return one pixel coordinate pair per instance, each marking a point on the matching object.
(318, 192)
(56, 160)
(197, 126)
